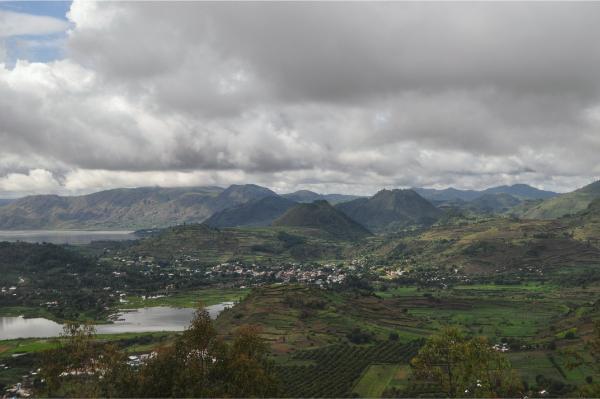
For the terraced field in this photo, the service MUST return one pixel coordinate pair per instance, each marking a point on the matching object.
(333, 371)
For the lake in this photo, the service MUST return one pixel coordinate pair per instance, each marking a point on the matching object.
(159, 318)
(73, 237)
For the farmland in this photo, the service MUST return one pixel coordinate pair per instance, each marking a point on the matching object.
(352, 312)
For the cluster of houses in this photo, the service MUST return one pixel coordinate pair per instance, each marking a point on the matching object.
(293, 272)
(322, 274)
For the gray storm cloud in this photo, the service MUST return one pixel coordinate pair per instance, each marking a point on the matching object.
(329, 96)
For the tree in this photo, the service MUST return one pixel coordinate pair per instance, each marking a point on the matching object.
(75, 359)
(574, 360)
(197, 364)
(463, 367)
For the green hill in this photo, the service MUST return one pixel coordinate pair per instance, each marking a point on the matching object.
(208, 245)
(586, 224)
(321, 215)
(260, 212)
(390, 209)
(564, 204)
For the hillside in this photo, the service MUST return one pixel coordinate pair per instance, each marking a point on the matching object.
(239, 194)
(564, 204)
(135, 208)
(321, 215)
(306, 196)
(493, 203)
(499, 248)
(206, 245)
(586, 224)
(390, 209)
(260, 212)
(521, 191)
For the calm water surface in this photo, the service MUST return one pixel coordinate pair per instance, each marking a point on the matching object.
(74, 237)
(159, 318)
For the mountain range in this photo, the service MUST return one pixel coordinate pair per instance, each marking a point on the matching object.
(134, 208)
(306, 196)
(253, 205)
(151, 207)
(519, 191)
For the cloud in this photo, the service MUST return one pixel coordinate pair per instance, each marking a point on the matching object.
(16, 24)
(26, 27)
(327, 96)
(35, 181)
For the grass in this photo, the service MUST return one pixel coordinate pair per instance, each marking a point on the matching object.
(378, 377)
(490, 317)
(192, 299)
(531, 364)
(35, 345)
(15, 346)
(398, 291)
(520, 288)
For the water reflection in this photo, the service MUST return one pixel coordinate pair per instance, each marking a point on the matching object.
(73, 237)
(160, 318)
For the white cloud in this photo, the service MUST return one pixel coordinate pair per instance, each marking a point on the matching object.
(15, 24)
(345, 97)
(35, 181)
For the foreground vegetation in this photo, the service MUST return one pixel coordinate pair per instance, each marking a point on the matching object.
(195, 364)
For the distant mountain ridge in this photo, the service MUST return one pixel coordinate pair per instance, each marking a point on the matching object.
(492, 203)
(152, 207)
(253, 205)
(306, 196)
(391, 209)
(134, 208)
(519, 191)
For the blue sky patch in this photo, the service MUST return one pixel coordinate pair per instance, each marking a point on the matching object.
(56, 9)
(30, 47)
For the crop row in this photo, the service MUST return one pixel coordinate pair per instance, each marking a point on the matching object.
(334, 369)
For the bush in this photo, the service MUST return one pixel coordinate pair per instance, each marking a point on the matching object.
(357, 336)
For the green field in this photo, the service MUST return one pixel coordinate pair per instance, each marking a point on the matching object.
(189, 299)
(378, 377)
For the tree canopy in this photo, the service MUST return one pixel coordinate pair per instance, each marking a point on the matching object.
(197, 364)
(465, 367)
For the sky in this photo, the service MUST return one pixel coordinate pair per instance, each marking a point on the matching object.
(331, 97)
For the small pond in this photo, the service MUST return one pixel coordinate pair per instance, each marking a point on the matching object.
(159, 318)
(73, 237)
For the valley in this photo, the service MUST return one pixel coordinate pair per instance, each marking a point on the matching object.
(334, 300)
